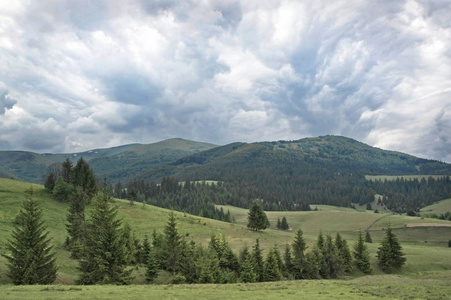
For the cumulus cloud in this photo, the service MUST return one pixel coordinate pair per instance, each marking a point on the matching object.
(78, 75)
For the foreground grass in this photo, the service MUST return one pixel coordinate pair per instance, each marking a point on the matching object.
(429, 286)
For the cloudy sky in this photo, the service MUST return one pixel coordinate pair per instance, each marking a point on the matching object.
(77, 75)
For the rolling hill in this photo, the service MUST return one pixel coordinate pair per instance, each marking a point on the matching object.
(117, 163)
(424, 240)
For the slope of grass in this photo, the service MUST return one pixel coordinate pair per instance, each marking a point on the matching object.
(438, 208)
(424, 246)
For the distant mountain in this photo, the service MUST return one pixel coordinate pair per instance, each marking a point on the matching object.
(330, 153)
(117, 163)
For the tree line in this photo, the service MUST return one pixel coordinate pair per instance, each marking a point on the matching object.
(107, 250)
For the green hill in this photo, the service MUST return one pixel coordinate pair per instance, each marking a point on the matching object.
(424, 240)
(117, 163)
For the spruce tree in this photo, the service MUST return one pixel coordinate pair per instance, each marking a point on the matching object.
(172, 244)
(83, 175)
(299, 247)
(271, 267)
(151, 265)
(104, 258)
(361, 255)
(333, 262)
(344, 253)
(247, 270)
(257, 258)
(389, 254)
(368, 238)
(76, 226)
(32, 260)
(284, 224)
(257, 219)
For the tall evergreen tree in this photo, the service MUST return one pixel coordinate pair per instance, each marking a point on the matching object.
(343, 252)
(361, 255)
(257, 258)
(32, 260)
(271, 267)
(66, 170)
(151, 265)
(172, 244)
(76, 226)
(299, 246)
(247, 270)
(257, 219)
(84, 176)
(389, 254)
(104, 258)
(331, 258)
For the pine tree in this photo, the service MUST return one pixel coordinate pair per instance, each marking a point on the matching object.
(389, 254)
(271, 267)
(288, 260)
(257, 258)
(172, 244)
(66, 170)
(331, 258)
(104, 259)
(361, 255)
(368, 238)
(128, 239)
(83, 175)
(343, 252)
(247, 270)
(151, 265)
(299, 247)
(279, 224)
(257, 219)
(76, 226)
(32, 260)
(284, 224)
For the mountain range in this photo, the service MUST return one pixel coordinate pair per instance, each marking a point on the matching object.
(235, 161)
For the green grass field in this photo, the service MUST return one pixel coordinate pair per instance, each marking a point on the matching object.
(424, 241)
(438, 208)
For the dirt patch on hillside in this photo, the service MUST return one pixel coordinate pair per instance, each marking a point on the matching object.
(428, 225)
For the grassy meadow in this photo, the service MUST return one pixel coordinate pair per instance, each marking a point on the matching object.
(426, 274)
(438, 208)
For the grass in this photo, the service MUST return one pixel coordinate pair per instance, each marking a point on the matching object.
(430, 286)
(425, 246)
(438, 208)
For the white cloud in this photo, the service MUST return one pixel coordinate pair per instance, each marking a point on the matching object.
(97, 74)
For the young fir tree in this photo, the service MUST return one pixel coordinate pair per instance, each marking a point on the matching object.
(257, 258)
(284, 224)
(104, 258)
(247, 270)
(299, 247)
(344, 253)
(361, 255)
(368, 238)
(279, 224)
(32, 260)
(271, 267)
(172, 244)
(151, 265)
(83, 175)
(288, 261)
(389, 254)
(76, 226)
(331, 258)
(257, 219)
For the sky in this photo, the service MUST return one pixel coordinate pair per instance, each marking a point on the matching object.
(81, 74)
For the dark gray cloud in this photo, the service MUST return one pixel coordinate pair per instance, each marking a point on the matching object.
(6, 102)
(78, 75)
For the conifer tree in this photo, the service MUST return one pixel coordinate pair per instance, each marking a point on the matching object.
(32, 260)
(361, 255)
(299, 247)
(271, 267)
(257, 258)
(151, 265)
(257, 219)
(62, 190)
(331, 258)
(288, 260)
(247, 270)
(279, 224)
(104, 258)
(284, 224)
(368, 238)
(128, 239)
(76, 226)
(83, 175)
(343, 252)
(172, 244)
(389, 254)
